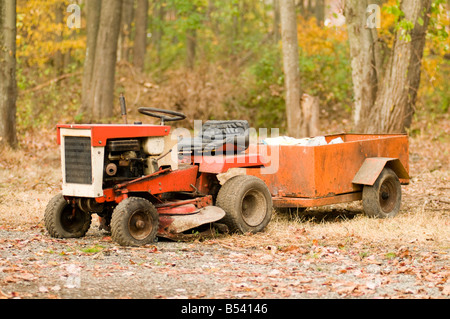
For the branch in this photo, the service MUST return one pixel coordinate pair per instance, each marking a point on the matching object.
(52, 81)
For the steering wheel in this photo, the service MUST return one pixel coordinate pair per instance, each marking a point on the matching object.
(149, 111)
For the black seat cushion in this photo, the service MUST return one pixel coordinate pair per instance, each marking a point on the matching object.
(218, 136)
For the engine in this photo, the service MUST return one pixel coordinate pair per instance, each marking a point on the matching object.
(127, 159)
(124, 159)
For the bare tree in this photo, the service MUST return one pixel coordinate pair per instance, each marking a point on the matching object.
(140, 39)
(386, 93)
(319, 12)
(59, 20)
(101, 95)
(396, 100)
(291, 67)
(157, 28)
(191, 47)
(8, 85)
(93, 9)
(276, 21)
(365, 69)
(124, 48)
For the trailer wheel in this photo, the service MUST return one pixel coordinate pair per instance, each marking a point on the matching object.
(134, 222)
(64, 221)
(247, 203)
(383, 199)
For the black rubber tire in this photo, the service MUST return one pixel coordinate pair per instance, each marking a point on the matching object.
(126, 217)
(247, 203)
(59, 221)
(383, 199)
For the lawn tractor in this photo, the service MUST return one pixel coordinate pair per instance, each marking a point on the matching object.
(136, 178)
(143, 182)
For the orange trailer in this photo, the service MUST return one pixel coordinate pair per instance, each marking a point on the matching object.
(310, 176)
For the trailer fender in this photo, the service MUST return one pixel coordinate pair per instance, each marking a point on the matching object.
(372, 167)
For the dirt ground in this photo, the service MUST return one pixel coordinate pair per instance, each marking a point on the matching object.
(331, 252)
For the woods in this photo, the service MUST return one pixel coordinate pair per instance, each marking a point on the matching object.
(270, 55)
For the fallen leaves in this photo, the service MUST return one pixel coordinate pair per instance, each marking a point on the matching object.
(314, 267)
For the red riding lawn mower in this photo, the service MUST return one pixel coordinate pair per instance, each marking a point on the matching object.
(144, 183)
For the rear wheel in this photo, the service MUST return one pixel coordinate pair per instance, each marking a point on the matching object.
(247, 203)
(383, 199)
(134, 222)
(63, 220)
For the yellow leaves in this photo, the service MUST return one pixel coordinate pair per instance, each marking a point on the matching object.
(317, 40)
(39, 35)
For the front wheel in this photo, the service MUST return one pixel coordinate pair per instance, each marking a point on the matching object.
(63, 220)
(383, 199)
(247, 203)
(134, 222)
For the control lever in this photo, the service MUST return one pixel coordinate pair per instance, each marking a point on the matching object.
(123, 107)
(156, 160)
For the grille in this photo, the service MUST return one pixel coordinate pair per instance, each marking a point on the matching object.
(77, 152)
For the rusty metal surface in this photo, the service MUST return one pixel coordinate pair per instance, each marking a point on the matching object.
(221, 164)
(177, 210)
(183, 207)
(328, 170)
(372, 167)
(314, 202)
(164, 181)
(174, 224)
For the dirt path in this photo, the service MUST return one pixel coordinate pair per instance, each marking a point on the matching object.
(32, 265)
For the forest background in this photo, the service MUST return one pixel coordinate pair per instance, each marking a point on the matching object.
(210, 60)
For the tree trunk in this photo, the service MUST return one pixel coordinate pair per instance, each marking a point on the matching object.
(276, 21)
(394, 107)
(59, 20)
(363, 42)
(320, 12)
(291, 67)
(93, 10)
(310, 111)
(123, 52)
(191, 47)
(140, 39)
(101, 97)
(8, 86)
(385, 95)
(158, 30)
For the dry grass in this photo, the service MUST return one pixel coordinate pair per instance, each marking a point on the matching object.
(344, 225)
(203, 94)
(29, 177)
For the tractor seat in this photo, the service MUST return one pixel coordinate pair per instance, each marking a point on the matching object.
(227, 137)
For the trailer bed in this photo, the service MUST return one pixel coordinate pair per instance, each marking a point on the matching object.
(320, 175)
